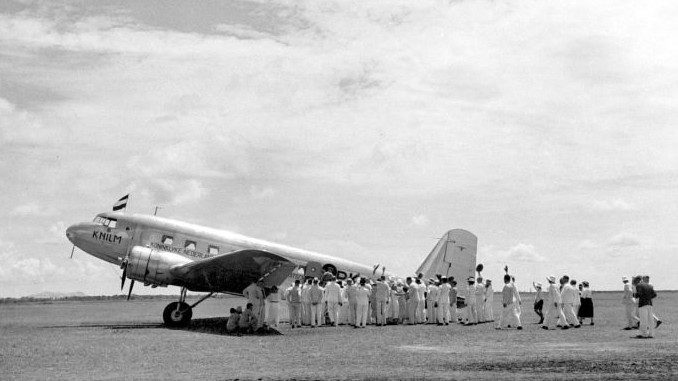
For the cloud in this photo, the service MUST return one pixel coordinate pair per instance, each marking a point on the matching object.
(420, 220)
(33, 209)
(623, 240)
(518, 253)
(612, 205)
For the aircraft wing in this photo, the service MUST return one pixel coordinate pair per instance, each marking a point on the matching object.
(233, 272)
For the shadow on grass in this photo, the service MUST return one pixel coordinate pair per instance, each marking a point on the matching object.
(213, 326)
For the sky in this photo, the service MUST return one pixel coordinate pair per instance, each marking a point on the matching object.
(360, 129)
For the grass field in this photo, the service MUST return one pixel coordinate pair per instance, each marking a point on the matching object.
(117, 339)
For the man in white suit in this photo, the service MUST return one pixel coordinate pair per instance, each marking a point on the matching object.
(553, 302)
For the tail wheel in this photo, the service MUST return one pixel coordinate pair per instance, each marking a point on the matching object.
(177, 314)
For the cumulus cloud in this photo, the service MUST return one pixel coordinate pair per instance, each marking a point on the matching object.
(519, 253)
(33, 209)
(617, 204)
(420, 220)
(623, 240)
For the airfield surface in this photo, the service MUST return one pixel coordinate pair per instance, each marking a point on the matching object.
(126, 340)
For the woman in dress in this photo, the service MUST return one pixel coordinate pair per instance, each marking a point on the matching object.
(586, 309)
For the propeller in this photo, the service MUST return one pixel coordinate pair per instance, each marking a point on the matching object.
(123, 266)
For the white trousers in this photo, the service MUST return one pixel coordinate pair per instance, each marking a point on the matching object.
(489, 313)
(553, 314)
(361, 314)
(352, 307)
(316, 311)
(333, 311)
(273, 314)
(381, 312)
(631, 318)
(471, 313)
(431, 312)
(507, 313)
(444, 312)
(570, 316)
(647, 322)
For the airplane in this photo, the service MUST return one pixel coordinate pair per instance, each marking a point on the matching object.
(164, 252)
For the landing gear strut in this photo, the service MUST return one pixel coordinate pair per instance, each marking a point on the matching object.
(179, 314)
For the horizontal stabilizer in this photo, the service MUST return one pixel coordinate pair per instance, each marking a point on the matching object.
(454, 255)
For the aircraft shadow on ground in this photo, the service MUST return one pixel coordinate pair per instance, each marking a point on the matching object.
(214, 326)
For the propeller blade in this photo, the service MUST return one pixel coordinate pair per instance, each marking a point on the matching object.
(72, 250)
(124, 276)
(131, 285)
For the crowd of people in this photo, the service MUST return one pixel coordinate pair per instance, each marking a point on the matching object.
(361, 302)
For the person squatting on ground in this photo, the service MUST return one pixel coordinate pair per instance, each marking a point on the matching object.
(248, 320)
(232, 322)
(508, 295)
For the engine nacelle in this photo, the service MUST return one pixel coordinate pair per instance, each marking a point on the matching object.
(152, 266)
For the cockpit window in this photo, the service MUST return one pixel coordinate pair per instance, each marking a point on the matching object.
(189, 245)
(112, 223)
(167, 240)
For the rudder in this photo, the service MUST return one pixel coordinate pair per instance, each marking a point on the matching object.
(453, 255)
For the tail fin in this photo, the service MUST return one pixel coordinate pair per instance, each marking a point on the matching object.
(453, 255)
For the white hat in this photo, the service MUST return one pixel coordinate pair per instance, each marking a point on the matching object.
(537, 285)
(625, 279)
(551, 279)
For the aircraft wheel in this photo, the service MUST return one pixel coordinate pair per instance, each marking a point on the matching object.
(177, 314)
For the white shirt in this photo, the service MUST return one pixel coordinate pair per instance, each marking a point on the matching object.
(568, 294)
(333, 292)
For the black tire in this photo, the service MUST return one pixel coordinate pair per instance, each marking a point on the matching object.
(177, 314)
(330, 268)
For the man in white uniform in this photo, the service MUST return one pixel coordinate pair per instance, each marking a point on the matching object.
(352, 301)
(508, 295)
(333, 299)
(432, 303)
(480, 300)
(444, 301)
(569, 295)
(629, 305)
(552, 302)
(381, 295)
(421, 291)
(412, 301)
(471, 312)
(363, 292)
(489, 299)
(306, 303)
(315, 294)
(255, 295)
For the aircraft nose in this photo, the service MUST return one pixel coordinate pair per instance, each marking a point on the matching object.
(74, 231)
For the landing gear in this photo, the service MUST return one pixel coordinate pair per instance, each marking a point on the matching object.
(177, 314)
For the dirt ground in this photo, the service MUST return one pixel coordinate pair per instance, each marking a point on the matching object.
(126, 340)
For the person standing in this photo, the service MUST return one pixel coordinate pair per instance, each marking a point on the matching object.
(538, 302)
(394, 305)
(489, 300)
(381, 297)
(553, 302)
(431, 302)
(508, 295)
(645, 293)
(412, 301)
(586, 310)
(421, 301)
(629, 303)
(333, 299)
(453, 301)
(646, 279)
(294, 303)
(273, 301)
(569, 296)
(315, 294)
(444, 301)
(306, 302)
(352, 301)
(362, 303)
(255, 295)
(480, 300)
(471, 311)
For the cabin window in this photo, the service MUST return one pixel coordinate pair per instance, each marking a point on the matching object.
(213, 250)
(189, 245)
(167, 240)
(112, 223)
